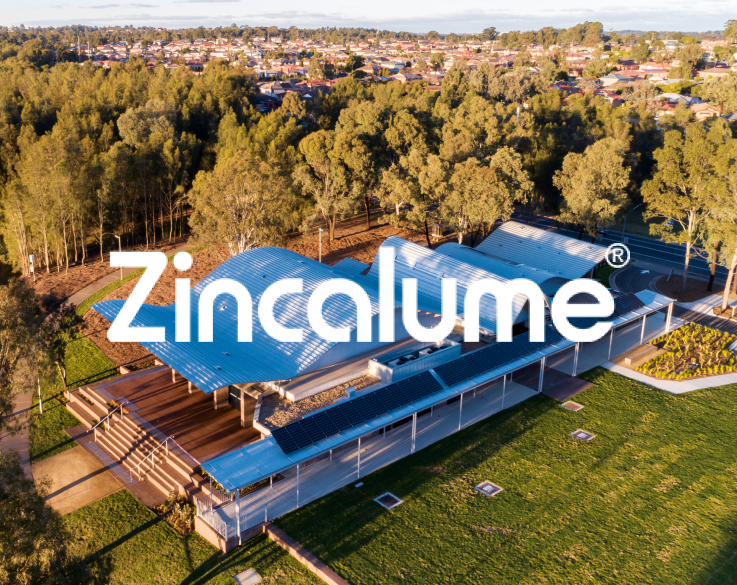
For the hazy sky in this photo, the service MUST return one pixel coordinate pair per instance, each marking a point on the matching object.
(415, 16)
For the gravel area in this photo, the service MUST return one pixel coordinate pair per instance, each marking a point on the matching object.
(277, 411)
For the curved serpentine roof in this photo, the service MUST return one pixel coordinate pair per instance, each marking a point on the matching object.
(226, 361)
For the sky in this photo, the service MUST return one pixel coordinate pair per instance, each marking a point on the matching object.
(460, 16)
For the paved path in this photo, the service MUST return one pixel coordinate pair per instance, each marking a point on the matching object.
(91, 289)
(19, 442)
(76, 479)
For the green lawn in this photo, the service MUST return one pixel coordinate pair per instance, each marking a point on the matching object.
(652, 499)
(120, 538)
(85, 364)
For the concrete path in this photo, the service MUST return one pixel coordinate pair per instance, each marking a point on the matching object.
(76, 479)
(91, 289)
(19, 441)
(670, 385)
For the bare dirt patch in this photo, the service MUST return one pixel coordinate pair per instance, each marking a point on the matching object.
(65, 283)
(277, 411)
(695, 289)
(95, 326)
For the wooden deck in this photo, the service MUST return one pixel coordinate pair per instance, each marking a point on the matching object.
(200, 429)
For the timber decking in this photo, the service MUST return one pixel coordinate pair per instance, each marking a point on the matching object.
(200, 429)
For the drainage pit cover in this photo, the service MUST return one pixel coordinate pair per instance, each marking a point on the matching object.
(572, 406)
(388, 500)
(582, 436)
(488, 488)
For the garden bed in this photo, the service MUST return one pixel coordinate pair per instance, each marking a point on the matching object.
(692, 351)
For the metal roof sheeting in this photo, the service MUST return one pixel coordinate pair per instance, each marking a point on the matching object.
(226, 361)
(350, 267)
(496, 266)
(554, 253)
(429, 267)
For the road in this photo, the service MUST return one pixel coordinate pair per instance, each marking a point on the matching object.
(641, 248)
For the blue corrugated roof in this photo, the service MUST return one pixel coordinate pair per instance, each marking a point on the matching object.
(225, 361)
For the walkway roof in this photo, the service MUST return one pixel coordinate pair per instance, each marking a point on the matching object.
(264, 458)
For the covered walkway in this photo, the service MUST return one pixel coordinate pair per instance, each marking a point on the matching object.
(314, 472)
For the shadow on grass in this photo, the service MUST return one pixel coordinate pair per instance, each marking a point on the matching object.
(339, 516)
(257, 551)
(103, 375)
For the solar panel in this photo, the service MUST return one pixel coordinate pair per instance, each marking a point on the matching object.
(350, 413)
(299, 435)
(626, 304)
(326, 422)
(313, 429)
(284, 440)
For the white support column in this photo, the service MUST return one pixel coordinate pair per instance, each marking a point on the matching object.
(359, 458)
(139, 477)
(611, 340)
(668, 318)
(642, 331)
(238, 514)
(575, 358)
(298, 485)
(271, 481)
(504, 389)
(331, 454)
(414, 430)
(542, 376)
(384, 431)
(431, 409)
(460, 413)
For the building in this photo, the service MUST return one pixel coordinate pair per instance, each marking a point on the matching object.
(204, 402)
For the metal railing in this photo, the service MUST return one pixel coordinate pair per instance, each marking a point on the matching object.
(228, 527)
(165, 444)
(183, 450)
(107, 418)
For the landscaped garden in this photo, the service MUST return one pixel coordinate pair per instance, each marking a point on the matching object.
(691, 351)
(650, 499)
(126, 543)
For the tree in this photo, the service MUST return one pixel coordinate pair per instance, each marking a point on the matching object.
(433, 35)
(640, 52)
(489, 34)
(243, 203)
(294, 105)
(720, 91)
(437, 61)
(21, 324)
(594, 185)
(721, 225)
(690, 55)
(325, 178)
(680, 188)
(596, 68)
(34, 538)
(481, 194)
(730, 31)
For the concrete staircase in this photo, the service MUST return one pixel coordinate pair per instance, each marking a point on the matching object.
(135, 447)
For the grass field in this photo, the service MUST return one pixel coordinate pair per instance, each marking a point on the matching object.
(128, 543)
(652, 499)
(85, 364)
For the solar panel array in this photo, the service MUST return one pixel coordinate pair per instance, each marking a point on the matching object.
(500, 354)
(351, 413)
(492, 357)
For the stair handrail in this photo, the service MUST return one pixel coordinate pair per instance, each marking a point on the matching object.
(165, 442)
(187, 453)
(107, 418)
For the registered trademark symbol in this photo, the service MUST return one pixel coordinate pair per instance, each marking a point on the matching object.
(618, 255)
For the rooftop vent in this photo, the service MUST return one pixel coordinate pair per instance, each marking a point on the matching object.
(488, 488)
(582, 435)
(388, 500)
(572, 406)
